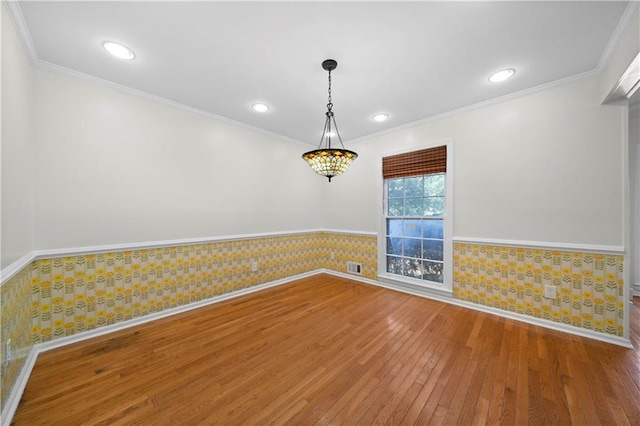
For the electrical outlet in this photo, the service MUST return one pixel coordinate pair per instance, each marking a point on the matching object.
(8, 351)
(550, 291)
(254, 266)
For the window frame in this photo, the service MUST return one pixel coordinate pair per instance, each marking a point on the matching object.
(446, 287)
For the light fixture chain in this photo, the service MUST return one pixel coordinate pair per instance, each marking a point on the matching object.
(330, 104)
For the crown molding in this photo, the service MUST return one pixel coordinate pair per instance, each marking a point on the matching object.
(623, 24)
(15, 13)
(22, 29)
(16, 16)
(48, 66)
(500, 99)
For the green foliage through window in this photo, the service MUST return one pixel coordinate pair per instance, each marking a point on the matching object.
(415, 208)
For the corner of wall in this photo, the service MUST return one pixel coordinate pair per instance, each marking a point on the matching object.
(17, 112)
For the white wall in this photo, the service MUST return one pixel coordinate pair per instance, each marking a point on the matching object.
(17, 146)
(114, 168)
(544, 167)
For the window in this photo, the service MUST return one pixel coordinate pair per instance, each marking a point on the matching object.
(415, 226)
(415, 207)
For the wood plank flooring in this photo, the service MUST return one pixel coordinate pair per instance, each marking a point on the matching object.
(326, 350)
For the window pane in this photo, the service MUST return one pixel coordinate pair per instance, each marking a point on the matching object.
(412, 228)
(413, 186)
(395, 187)
(433, 228)
(394, 227)
(394, 246)
(415, 226)
(434, 185)
(394, 265)
(413, 206)
(411, 247)
(412, 268)
(432, 249)
(433, 271)
(396, 207)
(434, 206)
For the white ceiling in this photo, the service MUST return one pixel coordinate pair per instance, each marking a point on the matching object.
(412, 60)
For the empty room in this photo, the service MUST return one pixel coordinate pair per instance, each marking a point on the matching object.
(315, 212)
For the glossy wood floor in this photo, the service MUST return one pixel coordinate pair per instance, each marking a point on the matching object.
(325, 350)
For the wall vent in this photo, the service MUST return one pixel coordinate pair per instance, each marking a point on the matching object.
(354, 268)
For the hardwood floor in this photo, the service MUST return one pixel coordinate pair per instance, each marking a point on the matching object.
(326, 350)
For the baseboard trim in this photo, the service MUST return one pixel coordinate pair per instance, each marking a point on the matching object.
(565, 328)
(15, 395)
(18, 389)
(85, 335)
(619, 341)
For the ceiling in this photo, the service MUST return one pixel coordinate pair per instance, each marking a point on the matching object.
(411, 60)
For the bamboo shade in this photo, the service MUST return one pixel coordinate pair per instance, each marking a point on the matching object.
(426, 161)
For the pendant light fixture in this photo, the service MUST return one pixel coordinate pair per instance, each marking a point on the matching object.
(326, 160)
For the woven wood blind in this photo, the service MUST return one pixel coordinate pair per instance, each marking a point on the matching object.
(426, 161)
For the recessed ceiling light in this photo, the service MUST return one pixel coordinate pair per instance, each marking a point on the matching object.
(501, 75)
(260, 107)
(118, 50)
(380, 117)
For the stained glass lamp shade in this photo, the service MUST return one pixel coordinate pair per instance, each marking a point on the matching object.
(329, 162)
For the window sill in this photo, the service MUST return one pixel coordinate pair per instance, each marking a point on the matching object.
(417, 286)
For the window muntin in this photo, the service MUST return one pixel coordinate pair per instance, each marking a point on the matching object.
(414, 226)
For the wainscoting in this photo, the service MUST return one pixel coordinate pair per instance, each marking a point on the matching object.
(57, 295)
(329, 350)
(589, 286)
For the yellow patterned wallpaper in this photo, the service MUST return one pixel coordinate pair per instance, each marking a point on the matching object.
(80, 293)
(15, 324)
(58, 297)
(589, 285)
(350, 248)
